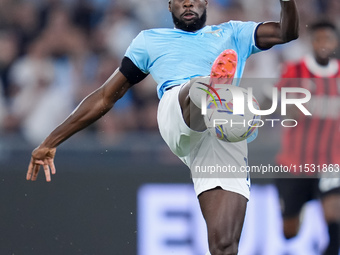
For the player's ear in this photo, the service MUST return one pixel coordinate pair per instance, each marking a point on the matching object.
(169, 6)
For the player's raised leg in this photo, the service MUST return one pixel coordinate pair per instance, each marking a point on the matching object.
(223, 210)
(224, 213)
(190, 96)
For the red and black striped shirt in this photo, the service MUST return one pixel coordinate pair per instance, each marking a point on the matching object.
(316, 138)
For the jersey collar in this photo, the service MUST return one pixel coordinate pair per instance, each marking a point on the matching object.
(322, 71)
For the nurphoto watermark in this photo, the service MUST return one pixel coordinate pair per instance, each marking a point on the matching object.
(289, 96)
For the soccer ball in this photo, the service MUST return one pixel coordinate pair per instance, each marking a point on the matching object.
(221, 120)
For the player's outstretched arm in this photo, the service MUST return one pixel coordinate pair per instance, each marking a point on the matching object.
(89, 110)
(272, 33)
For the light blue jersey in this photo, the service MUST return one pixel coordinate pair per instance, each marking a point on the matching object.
(173, 56)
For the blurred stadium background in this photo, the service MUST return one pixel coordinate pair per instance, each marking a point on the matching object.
(119, 190)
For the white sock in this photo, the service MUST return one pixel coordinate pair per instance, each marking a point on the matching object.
(208, 253)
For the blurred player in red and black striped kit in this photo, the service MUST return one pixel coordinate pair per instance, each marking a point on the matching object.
(315, 140)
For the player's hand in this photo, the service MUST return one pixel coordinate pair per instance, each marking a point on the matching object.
(41, 156)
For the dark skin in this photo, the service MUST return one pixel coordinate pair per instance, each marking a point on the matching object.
(324, 43)
(187, 11)
(90, 109)
(223, 231)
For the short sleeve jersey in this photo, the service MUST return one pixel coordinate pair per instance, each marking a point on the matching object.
(316, 139)
(174, 56)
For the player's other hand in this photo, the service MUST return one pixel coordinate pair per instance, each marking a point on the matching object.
(41, 156)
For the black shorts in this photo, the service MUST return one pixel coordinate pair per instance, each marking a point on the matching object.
(295, 192)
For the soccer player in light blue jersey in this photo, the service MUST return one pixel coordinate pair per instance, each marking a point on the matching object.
(177, 58)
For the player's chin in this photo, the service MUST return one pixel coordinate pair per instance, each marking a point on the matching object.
(190, 22)
(324, 54)
(190, 26)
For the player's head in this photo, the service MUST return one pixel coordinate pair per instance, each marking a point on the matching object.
(188, 15)
(324, 40)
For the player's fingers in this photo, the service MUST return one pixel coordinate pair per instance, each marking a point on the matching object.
(40, 162)
(47, 173)
(52, 166)
(35, 172)
(29, 171)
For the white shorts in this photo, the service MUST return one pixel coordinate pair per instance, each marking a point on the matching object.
(213, 163)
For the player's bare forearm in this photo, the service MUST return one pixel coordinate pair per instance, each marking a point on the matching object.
(89, 110)
(289, 23)
(273, 33)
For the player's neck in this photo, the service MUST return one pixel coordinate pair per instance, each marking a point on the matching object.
(322, 61)
(190, 31)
